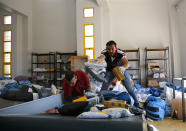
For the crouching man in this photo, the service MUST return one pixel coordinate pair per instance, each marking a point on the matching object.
(75, 84)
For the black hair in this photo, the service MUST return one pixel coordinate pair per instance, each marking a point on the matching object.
(109, 43)
(69, 75)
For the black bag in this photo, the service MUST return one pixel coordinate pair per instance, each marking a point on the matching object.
(73, 109)
(18, 96)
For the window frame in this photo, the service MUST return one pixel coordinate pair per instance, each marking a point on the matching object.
(84, 12)
(4, 19)
(89, 36)
(3, 54)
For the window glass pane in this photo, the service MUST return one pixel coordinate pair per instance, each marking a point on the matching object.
(7, 58)
(89, 30)
(7, 36)
(89, 42)
(89, 53)
(89, 12)
(7, 46)
(7, 19)
(7, 75)
(6, 69)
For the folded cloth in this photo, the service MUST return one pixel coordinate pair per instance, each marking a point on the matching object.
(44, 92)
(96, 66)
(95, 74)
(22, 78)
(26, 82)
(118, 112)
(5, 78)
(90, 94)
(3, 83)
(11, 87)
(136, 111)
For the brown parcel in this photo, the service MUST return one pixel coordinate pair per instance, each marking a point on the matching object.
(177, 107)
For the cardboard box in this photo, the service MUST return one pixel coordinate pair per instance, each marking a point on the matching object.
(177, 108)
(77, 62)
(116, 104)
(154, 66)
(118, 74)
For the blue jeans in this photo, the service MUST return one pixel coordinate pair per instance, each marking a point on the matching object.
(126, 82)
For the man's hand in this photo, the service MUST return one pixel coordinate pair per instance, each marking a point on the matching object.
(122, 69)
(87, 88)
(100, 59)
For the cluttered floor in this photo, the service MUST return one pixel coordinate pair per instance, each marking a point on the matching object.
(112, 104)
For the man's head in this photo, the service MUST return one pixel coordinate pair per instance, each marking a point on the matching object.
(111, 47)
(71, 78)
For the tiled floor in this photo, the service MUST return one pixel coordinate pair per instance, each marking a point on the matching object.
(169, 124)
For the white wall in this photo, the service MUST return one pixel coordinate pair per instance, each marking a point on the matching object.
(174, 39)
(21, 53)
(181, 11)
(54, 25)
(23, 9)
(139, 23)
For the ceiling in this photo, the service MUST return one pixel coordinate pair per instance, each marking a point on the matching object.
(109, 2)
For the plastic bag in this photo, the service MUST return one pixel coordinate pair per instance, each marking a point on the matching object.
(92, 115)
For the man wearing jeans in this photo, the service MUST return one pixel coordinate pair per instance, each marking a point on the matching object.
(116, 57)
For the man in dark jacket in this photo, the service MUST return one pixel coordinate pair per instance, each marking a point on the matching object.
(116, 57)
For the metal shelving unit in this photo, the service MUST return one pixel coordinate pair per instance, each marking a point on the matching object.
(135, 59)
(161, 56)
(46, 63)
